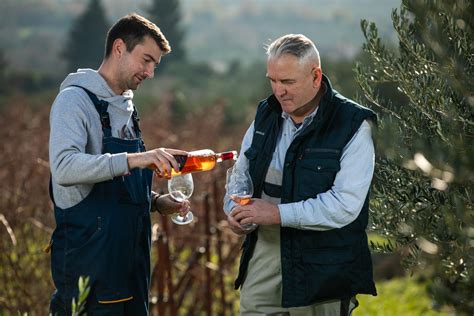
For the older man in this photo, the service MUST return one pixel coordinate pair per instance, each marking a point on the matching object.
(310, 155)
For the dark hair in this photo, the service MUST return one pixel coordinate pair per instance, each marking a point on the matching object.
(132, 29)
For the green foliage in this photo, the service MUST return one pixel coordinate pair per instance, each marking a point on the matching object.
(423, 187)
(24, 269)
(167, 15)
(85, 45)
(405, 296)
(341, 73)
(84, 289)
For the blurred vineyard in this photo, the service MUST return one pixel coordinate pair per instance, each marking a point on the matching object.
(193, 266)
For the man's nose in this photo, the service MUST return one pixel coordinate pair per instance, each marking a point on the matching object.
(150, 71)
(279, 89)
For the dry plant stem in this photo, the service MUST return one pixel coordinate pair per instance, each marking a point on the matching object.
(10, 232)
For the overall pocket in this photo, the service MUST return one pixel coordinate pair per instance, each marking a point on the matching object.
(113, 296)
(84, 251)
(80, 236)
(138, 186)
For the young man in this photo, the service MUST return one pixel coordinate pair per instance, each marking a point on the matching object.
(310, 155)
(102, 175)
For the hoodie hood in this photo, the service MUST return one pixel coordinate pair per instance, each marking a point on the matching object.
(94, 82)
(120, 106)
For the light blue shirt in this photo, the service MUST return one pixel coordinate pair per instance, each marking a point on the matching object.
(340, 205)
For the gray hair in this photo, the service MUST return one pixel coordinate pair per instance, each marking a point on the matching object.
(297, 45)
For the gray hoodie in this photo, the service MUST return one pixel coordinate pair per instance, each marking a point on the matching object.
(75, 143)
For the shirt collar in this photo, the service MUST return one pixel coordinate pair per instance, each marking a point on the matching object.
(306, 121)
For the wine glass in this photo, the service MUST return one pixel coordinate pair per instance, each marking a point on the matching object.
(180, 189)
(239, 188)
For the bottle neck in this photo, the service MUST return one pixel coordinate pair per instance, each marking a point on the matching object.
(226, 155)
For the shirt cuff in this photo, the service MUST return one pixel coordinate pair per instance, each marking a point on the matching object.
(154, 207)
(119, 165)
(289, 215)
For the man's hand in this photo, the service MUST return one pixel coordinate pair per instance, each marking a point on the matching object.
(235, 226)
(160, 160)
(258, 212)
(166, 205)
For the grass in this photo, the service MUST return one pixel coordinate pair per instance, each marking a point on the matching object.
(403, 296)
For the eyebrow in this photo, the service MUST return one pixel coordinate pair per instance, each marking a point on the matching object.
(282, 80)
(151, 57)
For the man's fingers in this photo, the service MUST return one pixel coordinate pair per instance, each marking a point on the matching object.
(162, 173)
(233, 222)
(175, 151)
(169, 206)
(163, 167)
(241, 219)
(241, 215)
(246, 220)
(167, 156)
(161, 161)
(234, 226)
(185, 207)
(236, 211)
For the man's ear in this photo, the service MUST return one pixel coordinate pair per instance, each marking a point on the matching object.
(119, 47)
(317, 74)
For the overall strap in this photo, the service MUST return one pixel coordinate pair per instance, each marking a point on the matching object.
(136, 125)
(101, 107)
(136, 128)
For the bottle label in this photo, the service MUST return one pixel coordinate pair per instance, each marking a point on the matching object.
(181, 159)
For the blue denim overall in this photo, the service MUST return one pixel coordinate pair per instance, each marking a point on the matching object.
(106, 237)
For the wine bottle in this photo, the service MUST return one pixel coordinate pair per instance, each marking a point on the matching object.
(201, 160)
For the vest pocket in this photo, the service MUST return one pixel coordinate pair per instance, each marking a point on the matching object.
(315, 175)
(251, 153)
(321, 164)
(327, 272)
(322, 152)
